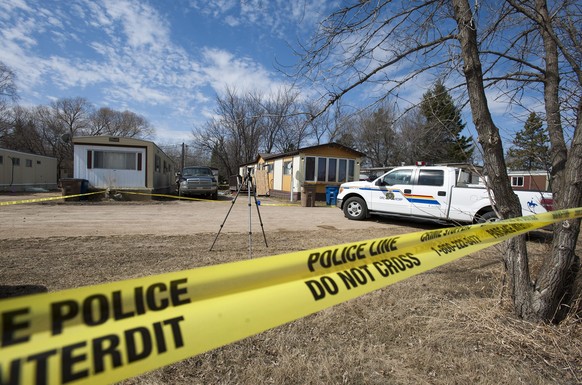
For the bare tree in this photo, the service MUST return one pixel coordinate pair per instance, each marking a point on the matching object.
(233, 137)
(73, 114)
(102, 121)
(368, 42)
(23, 134)
(375, 135)
(106, 121)
(7, 83)
(7, 93)
(412, 139)
(551, 293)
(286, 125)
(252, 123)
(325, 126)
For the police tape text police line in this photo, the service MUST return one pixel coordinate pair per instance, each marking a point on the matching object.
(351, 253)
(88, 358)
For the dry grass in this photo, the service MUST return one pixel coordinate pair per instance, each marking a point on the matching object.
(446, 326)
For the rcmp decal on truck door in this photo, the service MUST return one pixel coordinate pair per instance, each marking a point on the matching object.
(392, 195)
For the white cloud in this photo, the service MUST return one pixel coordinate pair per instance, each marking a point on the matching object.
(141, 23)
(224, 70)
(10, 6)
(278, 17)
(232, 21)
(119, 53)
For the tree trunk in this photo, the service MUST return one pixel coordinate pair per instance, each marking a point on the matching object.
(553, 288)
(507, 203)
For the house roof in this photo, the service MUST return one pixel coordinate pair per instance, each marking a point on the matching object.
(6, 150)
(109, 139)
(267, 156)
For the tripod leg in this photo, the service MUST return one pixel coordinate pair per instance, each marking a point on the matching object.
(260, 219)
(226, 217)
(249, 183)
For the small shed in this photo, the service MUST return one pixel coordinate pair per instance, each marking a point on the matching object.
(118, 163)
(534, 180)
(21, 171)
(286, 175)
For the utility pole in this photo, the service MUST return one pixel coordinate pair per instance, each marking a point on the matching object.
(183, 156)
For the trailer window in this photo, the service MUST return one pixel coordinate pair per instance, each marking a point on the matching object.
(320, 169)
(114, 160)
(431, 177)
(287, 168)
(517, 181)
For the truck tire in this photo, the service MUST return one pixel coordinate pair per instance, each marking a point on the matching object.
(355, 208)
(489, 216)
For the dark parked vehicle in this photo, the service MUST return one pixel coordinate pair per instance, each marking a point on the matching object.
(197, 180)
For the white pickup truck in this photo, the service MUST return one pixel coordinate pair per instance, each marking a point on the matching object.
(432, 192)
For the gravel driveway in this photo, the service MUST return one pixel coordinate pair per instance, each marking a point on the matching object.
(180, 217)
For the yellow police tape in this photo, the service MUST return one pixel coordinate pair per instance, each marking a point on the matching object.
(36, 200)
(200, 199)
(45, 199)
(106, 333)
(166, 196)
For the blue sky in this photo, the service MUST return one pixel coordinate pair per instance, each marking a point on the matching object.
(165, 59)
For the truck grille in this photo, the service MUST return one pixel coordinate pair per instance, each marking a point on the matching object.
(199, 182)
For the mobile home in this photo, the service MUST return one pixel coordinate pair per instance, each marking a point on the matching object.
(117, 163)
(20, 171)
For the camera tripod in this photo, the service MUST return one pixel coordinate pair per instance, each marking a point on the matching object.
(248, 182)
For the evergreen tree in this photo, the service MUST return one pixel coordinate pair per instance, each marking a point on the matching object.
(530, 150)
(442, 131)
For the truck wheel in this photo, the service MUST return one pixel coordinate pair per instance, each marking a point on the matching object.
(355, 208)
(214, 196)
(489, 216)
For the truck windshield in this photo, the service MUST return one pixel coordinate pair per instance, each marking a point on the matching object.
(197, 171)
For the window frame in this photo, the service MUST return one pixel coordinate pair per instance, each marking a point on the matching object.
(286, 169)
(101, 160)
(329, 169)
(430, 175)
(515, 181)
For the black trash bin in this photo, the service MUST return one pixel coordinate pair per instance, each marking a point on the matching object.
(74, 186)
(331, 195)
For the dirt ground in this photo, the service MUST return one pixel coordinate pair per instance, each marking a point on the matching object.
(167, 217)
(451, 325)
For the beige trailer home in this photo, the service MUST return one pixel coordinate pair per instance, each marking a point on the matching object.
(117, 163)
(20, 171)
(314, 168)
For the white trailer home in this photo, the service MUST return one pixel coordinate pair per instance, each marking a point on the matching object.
(118, 163)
